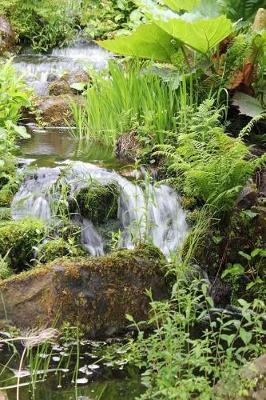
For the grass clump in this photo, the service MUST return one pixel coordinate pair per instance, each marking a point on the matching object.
(129, 98)
(18, 240)
(98, 202)
(5, 269)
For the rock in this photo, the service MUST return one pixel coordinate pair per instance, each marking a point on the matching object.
(59, 87)
(98, 203)
(56, 110)
(94, 292)
(127, 146)
(7, 35)
(260, 20)
(254, 372)
(69, 83)
(248, 197)
(75, 77)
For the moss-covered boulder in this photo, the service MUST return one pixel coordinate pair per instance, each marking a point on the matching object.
(18, 240)
(93, 292)
(98, 202)
(56, 248)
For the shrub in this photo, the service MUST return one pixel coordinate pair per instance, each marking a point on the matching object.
(42, 25)
(207, 163)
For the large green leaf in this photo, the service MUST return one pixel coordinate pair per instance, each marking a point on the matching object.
(147, 41)
(177, 5)
(202, 35)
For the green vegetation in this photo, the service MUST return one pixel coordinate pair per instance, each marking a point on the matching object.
(106, 17)
(55, 248)
(187, 103)
(18, 240)
(130, 99)
(98, 202)
(44, 25)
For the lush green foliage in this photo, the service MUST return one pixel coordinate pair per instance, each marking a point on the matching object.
(208, 164)
(103, 17)
(236, 9)
(43, 24)
(130, 99)
(193, 30)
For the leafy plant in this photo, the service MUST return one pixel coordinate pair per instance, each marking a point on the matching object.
(43, 24)
(207, 163)
(191, 29)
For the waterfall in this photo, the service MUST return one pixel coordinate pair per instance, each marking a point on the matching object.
(151, 212)
(39, 69)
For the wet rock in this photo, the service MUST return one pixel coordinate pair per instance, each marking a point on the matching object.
(98, 202)
(96, 293)
(69, 83)
(56, 110)
(127, 146)
(76, 77)
(59, 87)
(7, 35)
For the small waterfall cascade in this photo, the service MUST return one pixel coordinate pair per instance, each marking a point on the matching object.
(38, 70)
(151, 212)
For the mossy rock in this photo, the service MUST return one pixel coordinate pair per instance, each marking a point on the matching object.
(56, 248)
(98, 202)
(7, 193)
(18, 240)
(94, 293)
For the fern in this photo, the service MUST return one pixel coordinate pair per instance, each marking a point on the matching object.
(207, 163)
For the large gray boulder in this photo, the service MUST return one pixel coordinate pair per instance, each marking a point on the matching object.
(95, 293)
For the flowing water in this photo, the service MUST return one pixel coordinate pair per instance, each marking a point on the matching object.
(39, 69)
(146, 210)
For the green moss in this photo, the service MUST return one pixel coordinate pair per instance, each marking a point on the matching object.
(18, 239)
(98, 202)
(58, 248)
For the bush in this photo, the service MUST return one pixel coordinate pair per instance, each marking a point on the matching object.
(44, 25)
(207, 163)
(18, 240)
(102, 17)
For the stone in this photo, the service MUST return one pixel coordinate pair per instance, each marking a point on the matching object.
(127, 147)
(95, 293)
(59, 87)
(7, 35)
(56, 110)
(75, 77)
(248, 197)
(254, 372)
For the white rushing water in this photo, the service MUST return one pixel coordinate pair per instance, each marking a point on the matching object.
(154, 211)
(39, 69)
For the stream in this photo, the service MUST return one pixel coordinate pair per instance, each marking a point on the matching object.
(146, 210)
